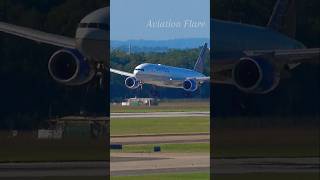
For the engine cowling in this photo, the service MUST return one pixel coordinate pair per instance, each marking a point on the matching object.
(69, 67)
(132, 83)
(190, 85)
(255, 75)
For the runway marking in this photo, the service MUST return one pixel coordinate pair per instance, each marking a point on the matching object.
(159, 114)
(166, 161)
(162, 139)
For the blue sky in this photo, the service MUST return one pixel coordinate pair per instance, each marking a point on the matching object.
(159, 19)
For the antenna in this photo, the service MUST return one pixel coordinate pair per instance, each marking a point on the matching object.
(129, 52)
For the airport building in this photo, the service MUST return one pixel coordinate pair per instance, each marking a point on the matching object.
(75, 126)
(140, 101)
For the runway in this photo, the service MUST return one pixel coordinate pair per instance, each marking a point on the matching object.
(161, 139)
(53, 169)
(150, 163)
(126, 164)
(136, 115)
(159, 115)
(193, 162)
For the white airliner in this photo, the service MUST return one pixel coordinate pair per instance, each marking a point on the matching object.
(250, 57)
(167, 76)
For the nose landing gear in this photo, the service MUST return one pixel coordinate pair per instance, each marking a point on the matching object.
(96, 95)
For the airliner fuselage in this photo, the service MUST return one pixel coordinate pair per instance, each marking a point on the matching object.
(164, 76)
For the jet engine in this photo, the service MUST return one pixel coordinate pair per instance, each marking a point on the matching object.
(255, 75)
(132, 83)
(190, 85)
(69, 67)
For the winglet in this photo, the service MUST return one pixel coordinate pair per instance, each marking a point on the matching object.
(283, 18)
(199, 66)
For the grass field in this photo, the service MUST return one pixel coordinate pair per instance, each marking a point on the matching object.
(228, 143)
(34, 150)
(205, 176)
(246, 150)
(268, 176)
(195, 176)
(168, 148)
(281, 142)
(160, 125)
(166, 106)
(62, 178)
(185, 176)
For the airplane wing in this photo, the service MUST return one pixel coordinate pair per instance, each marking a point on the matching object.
(38, 36)
(122, 73)
(290, 56)
(208, 79)
(203, 78)
(222, 71)
(214, 80)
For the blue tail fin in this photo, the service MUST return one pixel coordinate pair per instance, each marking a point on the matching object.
(283, 18)
(199, 66)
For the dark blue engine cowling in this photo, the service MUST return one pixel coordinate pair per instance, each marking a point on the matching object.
(69, 67)
(190, 85)
(255, 75)
(132, 83)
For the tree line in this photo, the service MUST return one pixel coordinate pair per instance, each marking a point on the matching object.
(29, 96)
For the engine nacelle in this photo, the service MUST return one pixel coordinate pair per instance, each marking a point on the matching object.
(69, 67)
(190, 85)
(132, 83)
(255, 75)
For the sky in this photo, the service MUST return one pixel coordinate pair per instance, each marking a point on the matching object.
(159, 19)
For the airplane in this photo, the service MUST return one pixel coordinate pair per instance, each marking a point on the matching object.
(81, 58)
(167, 76)
(255, 58)
(250, 57)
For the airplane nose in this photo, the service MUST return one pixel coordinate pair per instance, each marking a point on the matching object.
(92, 36)
(135, 72)
(93, 44)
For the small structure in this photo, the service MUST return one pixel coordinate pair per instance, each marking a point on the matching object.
(116, 146)
(76, 126)
(156, 149)
(50, 133)
(140, 101)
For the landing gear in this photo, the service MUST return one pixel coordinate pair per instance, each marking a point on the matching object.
(101, 76)
(154, 93)
(96, 94)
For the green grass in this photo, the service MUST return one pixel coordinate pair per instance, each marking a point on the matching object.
(205, 176)
(171, 106)
(185, 176)
(281, 142)
(195, 176)
(159, 125)
(34, 150)
(168, 148)
(268, 176)
(61, 178)
(229, 151)
(228, 143)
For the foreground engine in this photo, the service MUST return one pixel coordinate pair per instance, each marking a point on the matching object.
(190, 85)
(132, 83)
(69, 67)
(255, 75)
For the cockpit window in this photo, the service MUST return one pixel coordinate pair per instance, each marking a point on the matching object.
(95, 25)
(139, 69)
